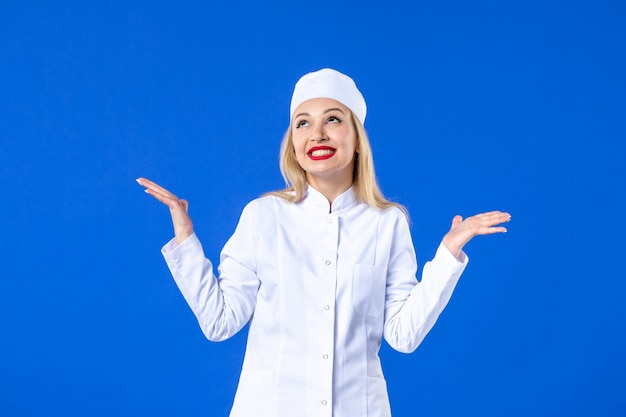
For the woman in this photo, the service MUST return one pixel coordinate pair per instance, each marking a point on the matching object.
(322, 270)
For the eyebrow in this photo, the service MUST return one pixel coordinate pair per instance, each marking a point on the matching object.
(325, 111)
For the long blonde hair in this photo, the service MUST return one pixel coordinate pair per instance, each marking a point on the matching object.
(364, 181)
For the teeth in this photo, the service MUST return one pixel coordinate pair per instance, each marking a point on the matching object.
(322, 152)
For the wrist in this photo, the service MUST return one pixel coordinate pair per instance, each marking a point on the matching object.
(182, 236)
(453, 247)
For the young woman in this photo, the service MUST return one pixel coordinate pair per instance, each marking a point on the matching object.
(322, 270)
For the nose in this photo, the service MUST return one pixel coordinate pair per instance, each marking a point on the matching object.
(318, 134)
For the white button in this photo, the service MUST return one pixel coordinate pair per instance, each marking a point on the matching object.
(327, 262)
(324, 402)
(330, 220)
(325, 356)
(326, 307)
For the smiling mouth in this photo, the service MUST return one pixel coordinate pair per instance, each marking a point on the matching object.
(321, 153)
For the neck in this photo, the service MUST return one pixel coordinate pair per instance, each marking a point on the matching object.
(331, 189)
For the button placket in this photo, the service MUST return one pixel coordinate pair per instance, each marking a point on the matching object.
(328, 279)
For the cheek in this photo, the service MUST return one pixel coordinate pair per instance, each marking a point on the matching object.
(300, 159)
(298, 144)
(353, 143)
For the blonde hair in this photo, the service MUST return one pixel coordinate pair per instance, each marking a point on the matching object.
(364, 181)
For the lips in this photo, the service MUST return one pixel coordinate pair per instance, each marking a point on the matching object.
(317, 153)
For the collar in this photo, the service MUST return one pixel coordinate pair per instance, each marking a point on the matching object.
(315, 201)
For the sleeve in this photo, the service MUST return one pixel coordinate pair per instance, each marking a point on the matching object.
(222, 305)
(412, 307)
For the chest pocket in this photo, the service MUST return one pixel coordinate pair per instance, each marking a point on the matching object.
(368, 289)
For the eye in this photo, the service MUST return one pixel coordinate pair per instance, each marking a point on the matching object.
(301, 123)
(333, 119)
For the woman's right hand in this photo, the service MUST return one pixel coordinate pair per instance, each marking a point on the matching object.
(183, 228)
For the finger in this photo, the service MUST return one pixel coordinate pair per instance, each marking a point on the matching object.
(500, 218)
(155, 187)
(493, 214)
(457, 220)
(146, 182)
(493, 218)
(165, 199)
(492, 230)
(160, 193)
(169, 199)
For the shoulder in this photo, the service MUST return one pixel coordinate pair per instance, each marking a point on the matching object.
(394, 223)
(265, 203)
(394, 214)
(264, 210)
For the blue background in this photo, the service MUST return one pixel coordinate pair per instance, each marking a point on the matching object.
(473, 106)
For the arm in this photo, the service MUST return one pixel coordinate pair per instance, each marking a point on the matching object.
(222, 306)
(412, 308)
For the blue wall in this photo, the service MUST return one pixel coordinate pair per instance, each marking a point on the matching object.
(473, 106)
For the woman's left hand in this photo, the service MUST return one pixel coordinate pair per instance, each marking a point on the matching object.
(462, 231)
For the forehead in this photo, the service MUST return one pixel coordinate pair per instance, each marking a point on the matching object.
(319, 105)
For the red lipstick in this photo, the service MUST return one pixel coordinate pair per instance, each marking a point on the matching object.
(317, 153)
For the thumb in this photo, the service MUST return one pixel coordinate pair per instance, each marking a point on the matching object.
(456, 221)
(185, 205)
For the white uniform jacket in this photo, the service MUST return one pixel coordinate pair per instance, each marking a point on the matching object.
(320, 290)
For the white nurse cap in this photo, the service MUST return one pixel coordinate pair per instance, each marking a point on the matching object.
(329, 83)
